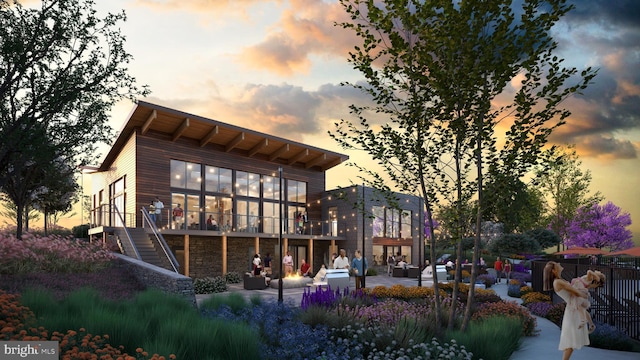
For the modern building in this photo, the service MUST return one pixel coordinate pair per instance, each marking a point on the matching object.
(230, 184)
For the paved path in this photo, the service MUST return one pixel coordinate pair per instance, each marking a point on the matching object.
(544, 346)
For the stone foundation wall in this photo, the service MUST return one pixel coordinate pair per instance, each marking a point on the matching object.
(159, 278)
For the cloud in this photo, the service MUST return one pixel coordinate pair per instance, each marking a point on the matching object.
(304, 29)
(607, 148)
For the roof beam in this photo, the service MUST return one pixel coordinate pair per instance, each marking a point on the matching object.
(205, 140)
(259, 146)
(298, 156)
(331, 164)
(233, 143)
(315, 161)
(183, 127)
(147, 124)
(276, 154)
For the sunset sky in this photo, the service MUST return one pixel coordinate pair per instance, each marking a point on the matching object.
(276, 67)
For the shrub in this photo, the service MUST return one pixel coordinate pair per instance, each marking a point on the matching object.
(540, 308)
(555, 313)
(524, 290)
(232, 277)
(513, 290)
(522, 277)
(610, 337)
(372, 272)
(533, 297)
(486, 296)
(487, 280)
(401, 292)
(508, 309)
(209, 285)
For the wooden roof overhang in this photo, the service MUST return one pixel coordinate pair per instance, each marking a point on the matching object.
(228, 138)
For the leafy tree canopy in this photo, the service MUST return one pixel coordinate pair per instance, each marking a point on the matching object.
(600, 226)
(509, 244)
(62, 68)
(545, 237)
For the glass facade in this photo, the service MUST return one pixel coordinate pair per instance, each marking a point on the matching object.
(391, 223)
(215, 198)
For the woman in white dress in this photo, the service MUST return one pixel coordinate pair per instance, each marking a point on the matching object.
(572, 334)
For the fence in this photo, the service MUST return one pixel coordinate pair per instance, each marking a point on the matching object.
(617, 303)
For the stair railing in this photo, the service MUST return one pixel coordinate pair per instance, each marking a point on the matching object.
(150, 227)
(116, 212)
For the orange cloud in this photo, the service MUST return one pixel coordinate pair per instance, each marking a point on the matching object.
(304, 29)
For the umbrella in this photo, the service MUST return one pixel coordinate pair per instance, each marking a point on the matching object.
(581, 251)
(634, 251)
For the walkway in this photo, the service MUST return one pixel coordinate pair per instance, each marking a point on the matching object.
(543, 346)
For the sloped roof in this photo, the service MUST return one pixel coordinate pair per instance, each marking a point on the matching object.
(230, 138)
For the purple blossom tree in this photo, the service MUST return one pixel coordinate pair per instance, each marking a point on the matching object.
(600, 226)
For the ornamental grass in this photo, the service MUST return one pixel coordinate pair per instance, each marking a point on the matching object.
(494, 338)
(53, 254)
(165, 323)
(17, 324)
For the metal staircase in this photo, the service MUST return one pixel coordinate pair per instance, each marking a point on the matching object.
(145, 247)
(145, 243)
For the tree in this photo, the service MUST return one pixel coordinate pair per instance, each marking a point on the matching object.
(600, 226)
(432, 70)
(61, 70)
(545, 237)
(57, 194)
(9, 212)
(511, 202)
(567, 188)
(509, 244)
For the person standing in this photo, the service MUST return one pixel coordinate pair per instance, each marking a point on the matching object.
(360, 267)
(267, 264)
(178, 213)
(152, 212)
(159, 207)
(507, 270)
(498, 266)
(341, 262)
(287, 261)
(572, 335)
(257, 268)
(391, 263)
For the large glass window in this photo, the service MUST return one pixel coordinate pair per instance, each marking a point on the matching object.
(218, 180)
(270, 187)
(193, 212)
(378, 221)
(296, 191)
(333, 219)
(247, 184)
(405, 224)
(270, 218)
(178, 200)
(247, 218)
(178, 171)
(391, 223)
(219, 210)
(194, 176)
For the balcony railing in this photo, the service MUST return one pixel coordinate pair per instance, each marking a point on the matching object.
(103, 216)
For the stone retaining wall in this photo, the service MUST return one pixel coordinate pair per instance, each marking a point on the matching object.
(156, 277)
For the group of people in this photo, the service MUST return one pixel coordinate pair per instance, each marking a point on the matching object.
(397, 260)
(155, 211)
(358, 266)
(262, 267)
(502, 268)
